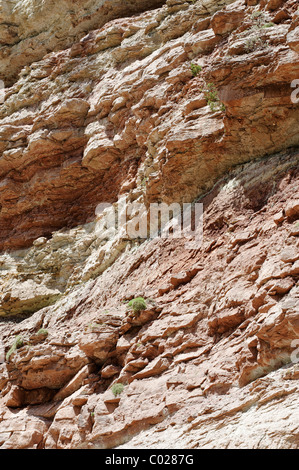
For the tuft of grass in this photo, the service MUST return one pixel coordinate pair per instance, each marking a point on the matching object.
(137, 304)
(268, 25)
(117, 389)
(195, 69)
(42, 332)
(18, 343)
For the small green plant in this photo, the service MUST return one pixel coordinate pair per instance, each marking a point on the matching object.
(195, 69)
(137, 304)
(257, 14)
(18, 343)
(211, 95)
(268, 25)
(253, 43)
(117, 389)
(42, 332)
(93, 326)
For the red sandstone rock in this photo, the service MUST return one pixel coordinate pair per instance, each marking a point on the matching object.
(212, 361)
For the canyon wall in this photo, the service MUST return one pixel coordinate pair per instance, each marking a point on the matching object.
(149, 102)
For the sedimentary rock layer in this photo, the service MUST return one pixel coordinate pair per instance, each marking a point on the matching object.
(185, 101)
(120, 111)
(204, 365)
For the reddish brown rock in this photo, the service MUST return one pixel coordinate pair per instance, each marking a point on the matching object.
(212, 361)
(274, 4)
(225, 21)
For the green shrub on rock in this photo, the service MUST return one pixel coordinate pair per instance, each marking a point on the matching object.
(137, 304)
(117, 389)
(18, 343)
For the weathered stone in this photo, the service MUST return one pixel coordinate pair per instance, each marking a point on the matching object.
(97, 345)
(75, 383)
(224, 22)
(226, 320)
(108, 111)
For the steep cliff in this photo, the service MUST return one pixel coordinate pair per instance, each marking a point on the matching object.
(149, 102)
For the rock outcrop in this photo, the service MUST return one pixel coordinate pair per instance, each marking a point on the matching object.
(184, 101)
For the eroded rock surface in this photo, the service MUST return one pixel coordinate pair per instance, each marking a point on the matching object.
(119, 112)
(220, 346)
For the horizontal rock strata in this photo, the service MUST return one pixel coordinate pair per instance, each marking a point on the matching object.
(218, 347)
(149, 102)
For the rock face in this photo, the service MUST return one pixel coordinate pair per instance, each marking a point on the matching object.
(182, 102)
(31, 29)
(121, 108)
